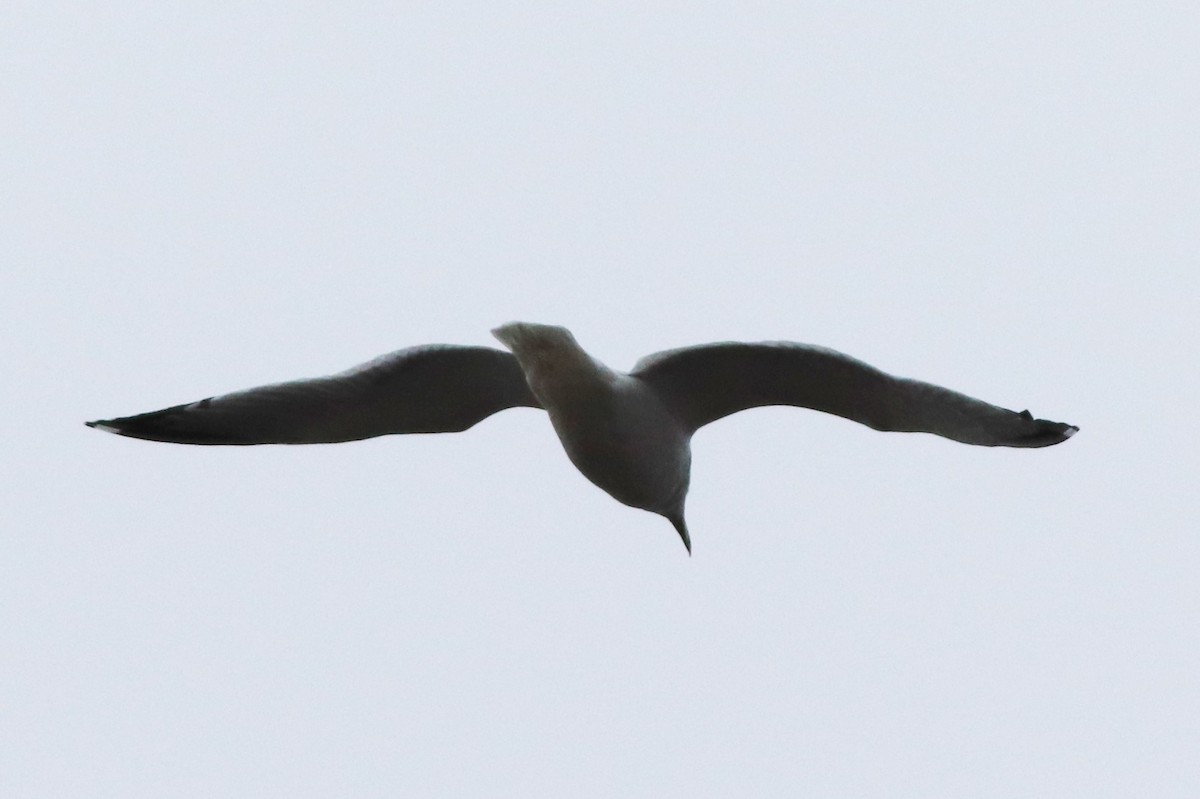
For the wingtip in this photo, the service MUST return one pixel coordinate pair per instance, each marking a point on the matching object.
(1070, 431)
(101, 424)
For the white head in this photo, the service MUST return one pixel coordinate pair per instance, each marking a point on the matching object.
(547, 352)
(532, 342)
(530, 335)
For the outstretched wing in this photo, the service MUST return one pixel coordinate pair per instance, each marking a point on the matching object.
(428, 389)
(702, 384)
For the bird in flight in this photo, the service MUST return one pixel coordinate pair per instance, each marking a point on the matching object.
(629, 433)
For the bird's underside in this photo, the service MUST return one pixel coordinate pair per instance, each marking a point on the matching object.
(448, 388)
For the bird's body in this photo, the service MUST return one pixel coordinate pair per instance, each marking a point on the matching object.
(630, 434)
(614, 427)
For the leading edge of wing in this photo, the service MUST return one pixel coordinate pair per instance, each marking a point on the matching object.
(437, 388)
(704, 383)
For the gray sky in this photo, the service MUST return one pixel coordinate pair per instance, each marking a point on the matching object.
(1000, 200)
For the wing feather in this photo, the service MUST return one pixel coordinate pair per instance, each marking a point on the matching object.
(705, 383)
(428, 389)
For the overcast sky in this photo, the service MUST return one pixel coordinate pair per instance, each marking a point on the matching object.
(1001, 200)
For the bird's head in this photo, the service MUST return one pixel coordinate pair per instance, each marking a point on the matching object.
(540, 347)
(531, 335)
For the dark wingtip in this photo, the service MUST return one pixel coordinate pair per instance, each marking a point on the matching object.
(1047, 433)
(1062, 431)
(165, 425)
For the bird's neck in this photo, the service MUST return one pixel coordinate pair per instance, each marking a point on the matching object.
(559, 372)
(566, 376)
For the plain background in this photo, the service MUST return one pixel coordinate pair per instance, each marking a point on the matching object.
(1003, 200)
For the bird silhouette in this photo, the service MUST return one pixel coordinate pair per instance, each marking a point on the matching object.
(629, 433)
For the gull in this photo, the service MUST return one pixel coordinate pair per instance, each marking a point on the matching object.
(629, 433)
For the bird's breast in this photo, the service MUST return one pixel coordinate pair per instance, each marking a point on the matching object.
(623, 439)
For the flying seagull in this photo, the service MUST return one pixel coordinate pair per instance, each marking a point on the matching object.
(630, 434)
